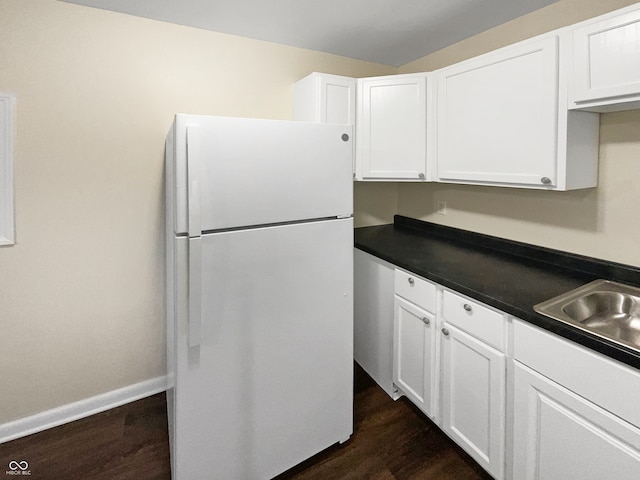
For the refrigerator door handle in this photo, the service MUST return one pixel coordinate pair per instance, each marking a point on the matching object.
(193, 179)
(194, 231)
(195, 291)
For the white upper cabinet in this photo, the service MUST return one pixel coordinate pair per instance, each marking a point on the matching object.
(523, 116)
(606, 73)
(497, 116)
(391, 128)
(391, 124)
(325, 98)
(502, 120)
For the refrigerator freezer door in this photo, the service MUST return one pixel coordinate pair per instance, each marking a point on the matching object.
(258, 172)
(271, 382)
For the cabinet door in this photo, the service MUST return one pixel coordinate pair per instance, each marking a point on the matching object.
(473, 398)
(607, 57)
(414, 353)
(337, 99)
(324, 98)
(560, 435)
(498, 117)
(392, 127)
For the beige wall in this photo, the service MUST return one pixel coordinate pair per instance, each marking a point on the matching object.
(81, 293)
(374, 203)
(597, 222)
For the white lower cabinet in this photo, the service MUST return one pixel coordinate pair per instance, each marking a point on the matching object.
(575, 411)
(448, 360)
(414, 340)
(473, 397)
(474, 379)
(560, 435)
(524, 403)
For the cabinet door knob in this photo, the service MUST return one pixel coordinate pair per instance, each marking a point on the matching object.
(426, 320)
(467, 307)
(445, 332)
(545, 180)
(345, 137)
(411, 281)
(421, 176)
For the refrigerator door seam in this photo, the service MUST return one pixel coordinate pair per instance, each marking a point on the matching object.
(275, 224)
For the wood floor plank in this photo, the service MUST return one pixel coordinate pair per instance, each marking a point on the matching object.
(391, 441)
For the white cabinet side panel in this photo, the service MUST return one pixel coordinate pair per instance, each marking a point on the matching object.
(373, 318)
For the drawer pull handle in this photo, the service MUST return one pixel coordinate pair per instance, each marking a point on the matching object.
(445, 332)
(411, 281)
(467, 307)
(426, 320)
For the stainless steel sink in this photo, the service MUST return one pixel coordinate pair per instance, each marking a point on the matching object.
(608, 309)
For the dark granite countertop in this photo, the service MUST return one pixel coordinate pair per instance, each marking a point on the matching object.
(510, 276)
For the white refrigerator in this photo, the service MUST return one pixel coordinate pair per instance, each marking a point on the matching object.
(259, 294)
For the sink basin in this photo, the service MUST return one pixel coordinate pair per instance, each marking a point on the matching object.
(608, 309)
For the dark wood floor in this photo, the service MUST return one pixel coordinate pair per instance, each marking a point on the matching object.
(128, 442)
(391, 441)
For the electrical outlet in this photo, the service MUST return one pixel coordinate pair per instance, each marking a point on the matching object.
(441, 207)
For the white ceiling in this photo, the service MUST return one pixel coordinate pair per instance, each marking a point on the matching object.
(391, 32)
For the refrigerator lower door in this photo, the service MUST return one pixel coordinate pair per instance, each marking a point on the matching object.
(271, 382)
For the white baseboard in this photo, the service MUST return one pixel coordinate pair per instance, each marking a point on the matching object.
(81, 409)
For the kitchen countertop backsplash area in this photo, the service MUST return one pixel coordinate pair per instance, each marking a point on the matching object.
(510, 276)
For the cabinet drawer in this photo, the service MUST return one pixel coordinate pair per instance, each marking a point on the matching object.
(474, 318)
(416, 290)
